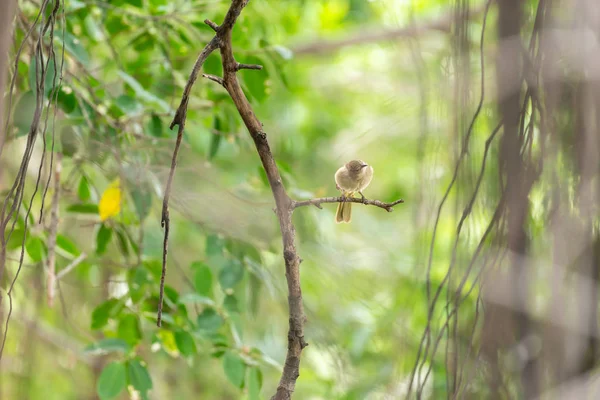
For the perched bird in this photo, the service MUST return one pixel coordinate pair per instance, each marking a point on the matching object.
(352, 177)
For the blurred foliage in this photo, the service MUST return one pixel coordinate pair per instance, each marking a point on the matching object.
(224, 335)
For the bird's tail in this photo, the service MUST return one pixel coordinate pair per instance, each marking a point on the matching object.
(344, 211)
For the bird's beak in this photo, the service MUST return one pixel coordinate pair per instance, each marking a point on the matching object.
(364, 165)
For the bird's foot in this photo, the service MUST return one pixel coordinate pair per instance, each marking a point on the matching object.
(363, 198)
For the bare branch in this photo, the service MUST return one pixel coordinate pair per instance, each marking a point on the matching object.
(389, 207)
(71, 266)
(214, 78)
(181, 113)
(214, 26)
(248, 66)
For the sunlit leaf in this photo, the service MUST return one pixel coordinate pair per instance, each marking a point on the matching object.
(35, 248)
(129, 329)
(185, 343)
(254, 383)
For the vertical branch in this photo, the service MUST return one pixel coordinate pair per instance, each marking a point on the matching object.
(284, 205)
(51, 261)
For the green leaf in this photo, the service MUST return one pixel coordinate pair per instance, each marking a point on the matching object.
(16, 239)
(67, 100)
(109, 345)
(202, 278)
(215, 138)
(138, 279)
(143, 94)
(235, 368)
(122, 241)
(254, 383)
(103, 238)
(49, 82)
(112, 381)
(214, 245)
(231, 304)
(231, 274)
(35, 248)
(92, 28)
(209, 320)
(83, 208)
(194, 298)
(83, 190)
(70, 140)
(129, 329)
(139, 377)
(104, 311)
(142, 201)
(128, 105)
(23, 114)
(185, 343)
(74, 47)
(155, 126)
(67, 245)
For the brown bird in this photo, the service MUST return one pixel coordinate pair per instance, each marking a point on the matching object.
(352, 177)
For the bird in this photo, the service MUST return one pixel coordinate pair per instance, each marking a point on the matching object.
(352, 177)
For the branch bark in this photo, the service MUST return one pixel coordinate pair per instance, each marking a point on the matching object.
(389, 207)
(284, 204)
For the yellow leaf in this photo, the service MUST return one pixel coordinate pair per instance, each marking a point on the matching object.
(110, 202)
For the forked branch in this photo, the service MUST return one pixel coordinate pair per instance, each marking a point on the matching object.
(284, 204)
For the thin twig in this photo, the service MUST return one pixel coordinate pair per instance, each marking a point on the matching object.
(249, 66)
(179, 119)
(71, 266)
(389, 207)
(214, 78)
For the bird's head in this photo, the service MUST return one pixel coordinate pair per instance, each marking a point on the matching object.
(356, 166)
